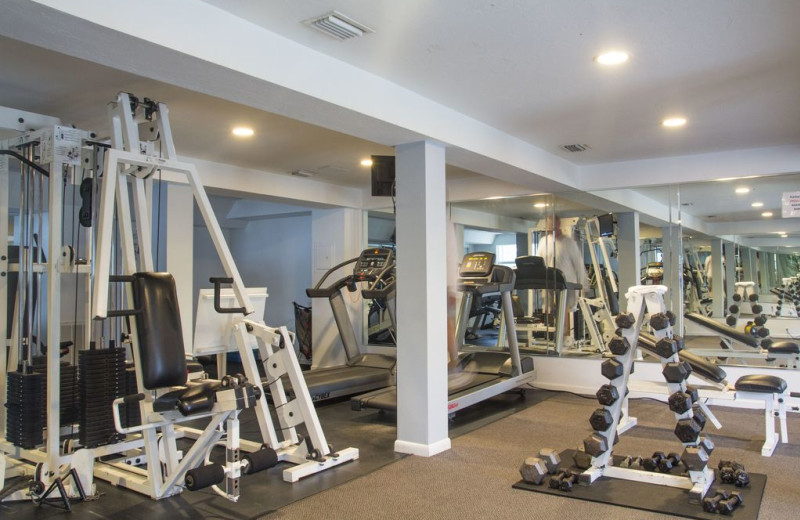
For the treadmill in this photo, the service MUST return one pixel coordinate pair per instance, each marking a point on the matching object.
(374, 268)
(491, 371)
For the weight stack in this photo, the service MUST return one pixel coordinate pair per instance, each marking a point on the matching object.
(101, 379)
(133, 416)
(68, 395)
(25, 402)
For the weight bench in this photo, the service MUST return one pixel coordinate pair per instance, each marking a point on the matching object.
(167, 398)
(765, 348)
(767, 389)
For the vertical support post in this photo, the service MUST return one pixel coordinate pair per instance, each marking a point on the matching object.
(53, 313)
(421, 300)
(717, 280)
(672, 249)
(628, 253)
(4, 215)
(180, 253)
(748, 266)
(729, 249)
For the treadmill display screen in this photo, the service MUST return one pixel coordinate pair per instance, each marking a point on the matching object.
(372, 261)
(476, 264)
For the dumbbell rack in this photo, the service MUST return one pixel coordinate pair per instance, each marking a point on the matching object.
(600, 444)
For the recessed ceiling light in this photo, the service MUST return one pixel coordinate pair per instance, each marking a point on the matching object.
(673, 122)
(757, 204)
(541, 205)
(242, 131)
(366, 162)
(784, 236)
(766, 214)
(612, 58)
(743, 189)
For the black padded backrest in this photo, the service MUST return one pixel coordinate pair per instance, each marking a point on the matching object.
(532, 273)
(162, 358)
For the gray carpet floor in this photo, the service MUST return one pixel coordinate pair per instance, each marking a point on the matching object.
(474, 478)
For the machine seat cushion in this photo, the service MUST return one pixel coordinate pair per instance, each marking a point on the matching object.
(783, 347)
(762, 384)
(190, 400)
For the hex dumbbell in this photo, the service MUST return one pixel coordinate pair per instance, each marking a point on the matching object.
(666, 464)
(651, 463)
(728, 505)
(533, 470)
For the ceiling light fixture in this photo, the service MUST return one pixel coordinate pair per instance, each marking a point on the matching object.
(757, 204)
(541, 205)
(766, 214)
(742, 190)
(242, 131)
(612, 58)
(366, 162)
(674, 122)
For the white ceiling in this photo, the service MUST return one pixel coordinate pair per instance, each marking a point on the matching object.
(732, 67)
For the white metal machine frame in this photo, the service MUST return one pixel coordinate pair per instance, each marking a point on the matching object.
(51, 156)
(125, 165)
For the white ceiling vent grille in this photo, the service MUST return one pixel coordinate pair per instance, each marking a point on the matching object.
(336, 25)
(572, 148)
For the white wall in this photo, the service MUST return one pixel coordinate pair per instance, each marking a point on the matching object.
(206, 261)
(337, 235)
(276, 253)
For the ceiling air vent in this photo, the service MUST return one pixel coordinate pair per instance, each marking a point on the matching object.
(575, 147)
(336, 25)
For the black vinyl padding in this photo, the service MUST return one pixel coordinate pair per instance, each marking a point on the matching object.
(197, 398)
(724, 330)
(532, 273)
(158, 325)
(701, 366)
(783, 347)
(761, 383)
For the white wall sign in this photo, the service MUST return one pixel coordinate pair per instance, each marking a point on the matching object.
(790, 204)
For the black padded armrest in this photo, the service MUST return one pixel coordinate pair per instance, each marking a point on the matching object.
(783, 347)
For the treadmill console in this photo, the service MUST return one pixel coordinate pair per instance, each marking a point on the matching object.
(476, 265)
(372, 261)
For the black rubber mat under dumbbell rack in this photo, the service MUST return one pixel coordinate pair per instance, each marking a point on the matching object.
(101, 379)
(25, 401)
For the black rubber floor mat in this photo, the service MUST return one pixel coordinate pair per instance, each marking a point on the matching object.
(659, 499)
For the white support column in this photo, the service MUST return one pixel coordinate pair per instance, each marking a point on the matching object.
(765, 272)
(748, 266)
(628, 257)
(730, 271)
(672, 249)
(180, 248)
(717, 280)
(421, 300)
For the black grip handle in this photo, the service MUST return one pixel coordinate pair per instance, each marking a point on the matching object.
(134, 398)
(218, 281)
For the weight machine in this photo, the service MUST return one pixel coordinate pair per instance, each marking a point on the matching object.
(130, 166)
(41, 164)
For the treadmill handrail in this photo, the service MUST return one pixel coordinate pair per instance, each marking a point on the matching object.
(333, 270)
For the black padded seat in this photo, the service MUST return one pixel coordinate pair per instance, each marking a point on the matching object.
(762, 384)
(190, 400)
(728, 332)
(783, 347)
(192, 367)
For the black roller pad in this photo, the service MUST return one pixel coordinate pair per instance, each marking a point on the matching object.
(658, 499)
